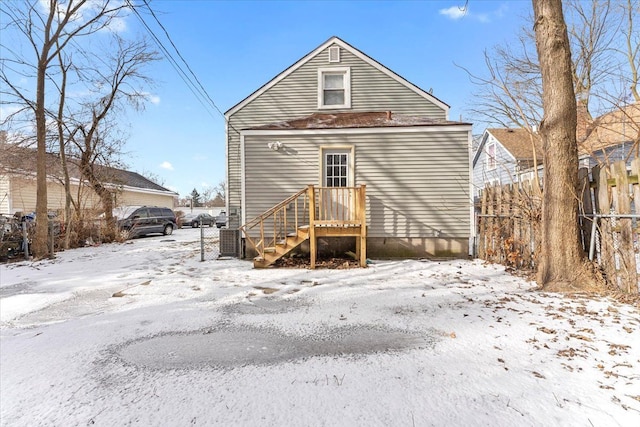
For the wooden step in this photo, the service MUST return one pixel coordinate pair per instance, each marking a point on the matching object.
(281, 248)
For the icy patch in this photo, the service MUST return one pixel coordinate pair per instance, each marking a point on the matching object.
(234, 347)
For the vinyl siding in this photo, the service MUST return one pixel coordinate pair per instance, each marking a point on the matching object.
(417, 183)
(23, 197)
(136, 198)
(297, 96)
(4, 195)
(504, 173)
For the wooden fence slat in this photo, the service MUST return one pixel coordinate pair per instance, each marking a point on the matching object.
(586, 208)
(490, 224)
(509, 222)
(482, 238)
(525, 208)
(628, 277)
(607, 260)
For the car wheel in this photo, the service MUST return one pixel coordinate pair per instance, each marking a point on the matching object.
(168, 229)
(194, 224)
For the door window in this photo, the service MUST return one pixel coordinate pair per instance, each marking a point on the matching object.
(336, 169)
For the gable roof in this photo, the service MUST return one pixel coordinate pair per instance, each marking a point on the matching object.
(517, 142)
(616, 127)
(374, 119)
(354, 51)
(21, 160)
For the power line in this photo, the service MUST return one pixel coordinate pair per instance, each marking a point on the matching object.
(183, 75)
(182, 58)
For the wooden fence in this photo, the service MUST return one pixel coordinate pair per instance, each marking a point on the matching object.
(508, 223)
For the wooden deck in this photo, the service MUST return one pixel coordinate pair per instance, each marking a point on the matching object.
(311, 213)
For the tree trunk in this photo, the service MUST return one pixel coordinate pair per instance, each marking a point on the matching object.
(561, 256)
(40, 246)
(103, 192)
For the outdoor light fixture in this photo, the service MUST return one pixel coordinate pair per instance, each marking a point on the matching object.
(274, 145)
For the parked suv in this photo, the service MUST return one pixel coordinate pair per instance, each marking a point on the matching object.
(142, 220)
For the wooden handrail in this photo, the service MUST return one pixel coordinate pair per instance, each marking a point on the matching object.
(321, 206)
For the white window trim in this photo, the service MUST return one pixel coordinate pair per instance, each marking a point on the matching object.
(495, 156)
(337, 149)
(347, 87)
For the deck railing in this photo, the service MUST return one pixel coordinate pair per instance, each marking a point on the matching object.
(311, 206)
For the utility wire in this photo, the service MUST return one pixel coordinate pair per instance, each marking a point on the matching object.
(183, 75)
(182, 58)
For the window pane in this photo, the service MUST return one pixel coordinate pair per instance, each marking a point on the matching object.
(333, 81)
(343, 171)
(333, 97)
(336, 182)
(329, 160)
(343, 182)
(343, 159)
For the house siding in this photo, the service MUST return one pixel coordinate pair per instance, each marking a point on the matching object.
(126, 198)
(23, 197)
(408, 196)
(504, 173)
(296, 96)
(5, 195)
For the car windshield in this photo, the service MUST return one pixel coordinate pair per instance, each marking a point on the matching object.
(190, 216)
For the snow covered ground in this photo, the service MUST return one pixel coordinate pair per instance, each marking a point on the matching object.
(144, 333)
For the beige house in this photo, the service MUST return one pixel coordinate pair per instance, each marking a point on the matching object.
(18, 185)
(337, 125)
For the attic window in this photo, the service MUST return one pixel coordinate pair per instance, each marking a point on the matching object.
(334, 87)
(491, 156)
(334, 54)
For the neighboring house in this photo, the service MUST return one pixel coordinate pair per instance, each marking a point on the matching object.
(614, 136)
(505, 156)
(18, 184)
(338, 118)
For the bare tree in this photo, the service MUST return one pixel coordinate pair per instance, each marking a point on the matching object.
(630, 12)
(48, 28)
(119, 82)
(561, 257)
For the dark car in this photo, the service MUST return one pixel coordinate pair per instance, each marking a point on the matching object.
(196, 220)
(221, 220)
(143, 220)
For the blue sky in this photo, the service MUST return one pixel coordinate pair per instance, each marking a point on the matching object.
(234, 47)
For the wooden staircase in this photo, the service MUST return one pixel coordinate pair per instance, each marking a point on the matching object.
(282, 247)
(312, 212)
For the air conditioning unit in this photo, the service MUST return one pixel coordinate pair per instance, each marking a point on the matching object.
(229, 242)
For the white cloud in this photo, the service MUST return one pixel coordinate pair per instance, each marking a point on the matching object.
(166, 165)
(454, 12)
(483, 17)
(458, 12)
(154, 99)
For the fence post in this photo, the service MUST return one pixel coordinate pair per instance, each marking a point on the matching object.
(51, 239)
(603, 199)
(628, 274)
(25, 240)
(201, 242)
